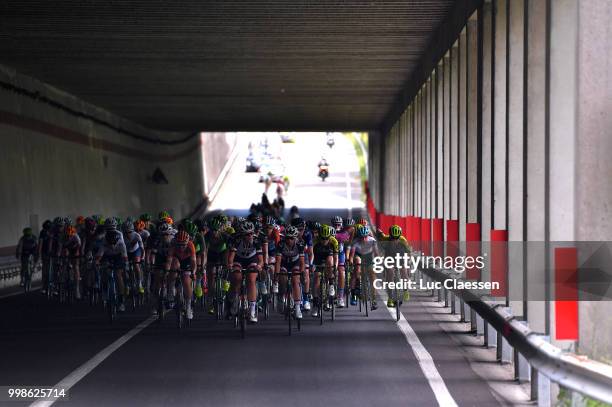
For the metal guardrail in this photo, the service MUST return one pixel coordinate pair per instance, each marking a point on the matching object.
(12, 270)
(577, 373)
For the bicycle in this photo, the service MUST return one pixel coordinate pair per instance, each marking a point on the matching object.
(243, 307)
(263, 300)
(110, 290)
(288, 303)
(220, 296)
(27, 264)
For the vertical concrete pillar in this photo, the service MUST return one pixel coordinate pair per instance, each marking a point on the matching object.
(454, 132)
(446, 141)
(427, 148)
(472, 120)
(462, 203)
(536, 208)
(499, 117)
(410, 162)
(593, 191)
(439, 141)
(516, 153)
(487, 117)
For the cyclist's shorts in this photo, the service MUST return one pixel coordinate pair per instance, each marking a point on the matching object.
(341, 258)
(160, 261)
(135, 253)
(114, 261)
(185, 264)
(321, 258)
(289, 265)
(247, 262)
(366, 259)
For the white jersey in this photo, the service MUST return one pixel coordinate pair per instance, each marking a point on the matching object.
(364, 246)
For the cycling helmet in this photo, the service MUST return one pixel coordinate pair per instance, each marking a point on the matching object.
(216, 224)
(182, 238)
(128, 226)
(145, 217)
(101, 221)
(270, 221)
(139, 225)
(349, 222)
(67, 221)
(112, 237)
(317, 226)
(80, 220)
(325, 231)
(167, 220)
(162, 215)
(294, 209)
(110, 224)
(27, 232)
(395, 231)
(47, 224)
(291, 231)
(70, 231)
(130, 219)
(362, 221)
(363, 231)
(58, 221)
(164, 229)
(336, 220)
(119, 221)
(246, 227)
(333, 231)
(298, 222)
(191, 229)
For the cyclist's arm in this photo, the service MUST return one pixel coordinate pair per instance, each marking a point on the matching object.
(194, 263)
(277, 265)
(169, 259)
(230, 257)
(302, 263)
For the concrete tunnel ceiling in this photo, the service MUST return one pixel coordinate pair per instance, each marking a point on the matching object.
(226, 65)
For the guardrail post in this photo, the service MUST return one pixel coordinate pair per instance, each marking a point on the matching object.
(473, 321)
(480, 325)
(462, 309)
(504, 350)
(454, 300)
(439, 295)
(521, 366)
(490, 336)
(446, 292)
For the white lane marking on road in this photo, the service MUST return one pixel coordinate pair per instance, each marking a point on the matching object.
(83, 370)
(425, 360)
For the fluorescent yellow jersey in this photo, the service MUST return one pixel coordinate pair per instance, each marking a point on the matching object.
(382, 237)
(322, 251)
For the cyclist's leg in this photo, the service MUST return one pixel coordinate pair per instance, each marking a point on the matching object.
(372, 276)
(317, 269)
(188, 290)
(120, 284)
(329, 263)
(76, 262)
(252, 290)
(297, 291)
(236, 286)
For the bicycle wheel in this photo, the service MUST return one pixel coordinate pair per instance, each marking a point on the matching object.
(242, 317)
(288, 310)
(112, 299)
(322, 295)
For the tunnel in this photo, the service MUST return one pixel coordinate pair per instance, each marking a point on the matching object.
(477, 130)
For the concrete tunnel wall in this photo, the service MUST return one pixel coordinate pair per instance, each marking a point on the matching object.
(512, 133)
(55, 163)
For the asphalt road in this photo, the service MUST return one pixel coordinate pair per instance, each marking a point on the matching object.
(355, 360)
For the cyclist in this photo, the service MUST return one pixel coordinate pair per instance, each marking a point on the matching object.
(199, 244)
(44, 241)
(181, 258)
(71, 251)
(160, 247)
(305, 238)
(395, 243)
(325, 251)
(216, 243)
(362, 251)
(343, 236)
(271, 239)
(26, 247)
(135, 250)
(88, 249)
(246, 255)
(290, 256)
(113, 254)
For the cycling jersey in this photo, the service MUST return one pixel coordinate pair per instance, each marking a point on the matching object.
(290, 254)
(72, 246)
(273, 239)
(27, 245)
(199, 243)
(364, 246)
(114, 255)
(392, 245)
(322, 249)
(133, 243)
(184, 254)
(344, 240)
(246, 252)
(160, 248)
(217, 242)
(144, 235)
